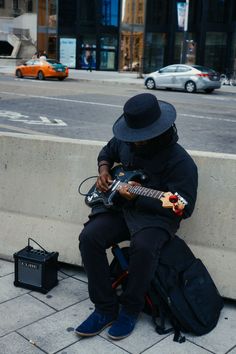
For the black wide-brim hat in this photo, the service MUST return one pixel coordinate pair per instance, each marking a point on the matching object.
(144, 118)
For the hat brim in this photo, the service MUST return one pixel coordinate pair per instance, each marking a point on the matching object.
(123, 132)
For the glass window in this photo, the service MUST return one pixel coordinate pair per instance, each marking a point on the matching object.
(195, 12)
(154, 51)
(233, 55)
(168, 69)
(215, 50)
(217, 11)
(157, 12)
(108, 42)
(88, 50)
(67, 17)
(107, 60)
(234, 12)
(110, 9)
(2, 4)
(132, 34)
(87, 12)
(29, 5)
(52, 14)
(182, 69)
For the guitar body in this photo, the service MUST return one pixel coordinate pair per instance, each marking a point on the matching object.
(118, 174)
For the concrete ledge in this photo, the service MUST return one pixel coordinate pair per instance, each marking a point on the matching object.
(39, 178)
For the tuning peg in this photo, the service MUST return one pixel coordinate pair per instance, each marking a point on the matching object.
(173, 199)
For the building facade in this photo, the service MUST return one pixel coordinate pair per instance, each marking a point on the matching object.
(140, 35)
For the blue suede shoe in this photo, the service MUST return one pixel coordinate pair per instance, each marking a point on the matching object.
(94, 324)
(123, 326)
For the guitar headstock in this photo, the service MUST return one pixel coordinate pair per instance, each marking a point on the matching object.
(174, 202)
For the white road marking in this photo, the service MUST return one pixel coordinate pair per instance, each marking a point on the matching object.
(61, 99)
(21, 118)
(113, 105)
(206, 117)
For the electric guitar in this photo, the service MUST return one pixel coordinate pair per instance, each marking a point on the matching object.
(121, 178)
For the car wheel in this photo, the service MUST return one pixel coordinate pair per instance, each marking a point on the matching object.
(61, 78)
(209, 90)
(40, 75)
(19, 73)
(150, 84)
(190, 87)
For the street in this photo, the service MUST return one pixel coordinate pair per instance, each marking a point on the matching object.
(87, 110)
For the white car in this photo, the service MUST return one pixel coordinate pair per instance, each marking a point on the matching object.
(190, 78)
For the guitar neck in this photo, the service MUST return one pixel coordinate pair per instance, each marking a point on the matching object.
(147, 192)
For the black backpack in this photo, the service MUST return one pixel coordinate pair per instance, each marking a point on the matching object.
(181, 291)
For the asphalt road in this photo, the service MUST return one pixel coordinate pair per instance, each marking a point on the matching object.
(87, 110)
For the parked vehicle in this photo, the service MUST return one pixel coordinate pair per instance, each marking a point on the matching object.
(42, 68)
(228, 78)
(190, 78)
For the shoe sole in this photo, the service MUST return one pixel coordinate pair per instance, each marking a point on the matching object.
(118, 338)
(94, 333)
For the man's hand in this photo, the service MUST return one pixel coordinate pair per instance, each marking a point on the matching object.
(104, 179)
(124, 190)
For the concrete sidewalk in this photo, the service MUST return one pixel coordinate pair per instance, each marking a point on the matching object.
(35, 323)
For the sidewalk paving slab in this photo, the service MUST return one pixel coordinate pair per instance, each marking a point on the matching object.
(35, 323)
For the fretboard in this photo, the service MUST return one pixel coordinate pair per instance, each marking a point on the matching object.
(147, 192)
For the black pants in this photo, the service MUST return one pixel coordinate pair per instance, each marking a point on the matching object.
(99, 234)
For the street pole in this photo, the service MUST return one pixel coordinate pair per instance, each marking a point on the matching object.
(185, 34)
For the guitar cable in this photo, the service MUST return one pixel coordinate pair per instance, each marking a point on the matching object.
(79, 188)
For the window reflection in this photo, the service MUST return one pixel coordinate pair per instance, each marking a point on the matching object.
(52, 14)
(215, 51)
(217, 11)
(110, 12)
(157, 11)
(154, 51)
(132, 34)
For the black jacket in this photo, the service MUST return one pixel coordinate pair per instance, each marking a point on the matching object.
(168, 168)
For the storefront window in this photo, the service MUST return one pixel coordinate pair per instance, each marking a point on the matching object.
(215, 50)
(191, 47)
(154, 51)
(132, 34)
(107, 60)
(88, 51)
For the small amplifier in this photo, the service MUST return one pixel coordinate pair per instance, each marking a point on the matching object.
(36, 269)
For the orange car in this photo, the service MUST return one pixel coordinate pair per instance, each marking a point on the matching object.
(42, 68)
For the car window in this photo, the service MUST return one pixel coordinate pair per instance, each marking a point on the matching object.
(183, 69)
(204, 69)
(168, 69)
(52, 61)
(30, 62)
(36, 62)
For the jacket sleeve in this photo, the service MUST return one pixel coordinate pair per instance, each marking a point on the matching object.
(183, 179)
(110, 152)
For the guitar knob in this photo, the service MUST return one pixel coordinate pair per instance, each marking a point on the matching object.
(173, 199)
